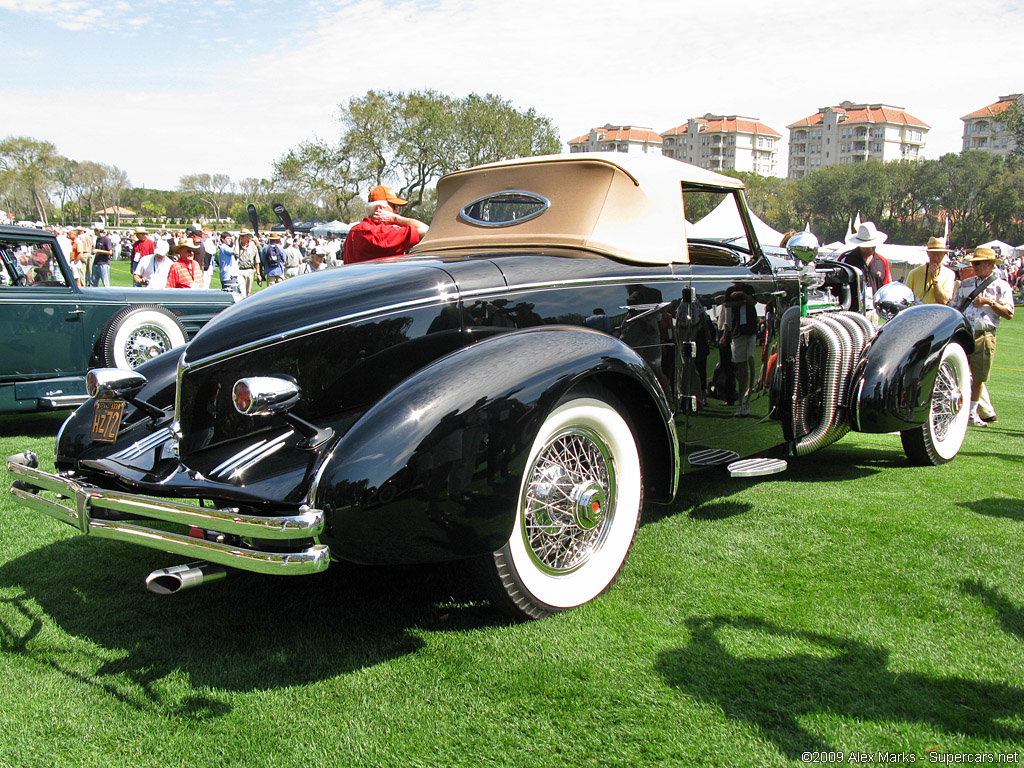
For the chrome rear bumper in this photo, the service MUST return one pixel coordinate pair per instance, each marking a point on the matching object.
(76, 503)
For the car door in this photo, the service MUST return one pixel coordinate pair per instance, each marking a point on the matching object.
(729, 308)
(40, 313)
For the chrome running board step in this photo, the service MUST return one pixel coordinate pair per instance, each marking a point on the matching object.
(712, 457)
(757, 467)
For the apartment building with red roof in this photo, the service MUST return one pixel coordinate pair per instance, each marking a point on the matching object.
(854, 133)
(724, 142)
(984, 129)
(618, 138)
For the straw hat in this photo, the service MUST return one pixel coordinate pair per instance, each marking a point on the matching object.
(184, 242)
(936, 244)
(866, 236)
(984, 253)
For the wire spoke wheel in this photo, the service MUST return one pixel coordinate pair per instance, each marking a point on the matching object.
(565, 513)
(947, 400)
(139, 333)
(578, 510)
(144, 343)
(940, 438)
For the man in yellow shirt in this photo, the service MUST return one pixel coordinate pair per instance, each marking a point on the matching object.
(932, 283)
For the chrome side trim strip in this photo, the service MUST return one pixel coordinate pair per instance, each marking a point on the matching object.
(253, 454)
(63, 401)
(135, 450)
(274, 447)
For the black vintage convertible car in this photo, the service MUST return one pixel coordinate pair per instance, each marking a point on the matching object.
(552, 355)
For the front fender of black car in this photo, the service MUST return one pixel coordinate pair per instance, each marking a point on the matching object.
(892, 384)
(433, 470)
(74, 439)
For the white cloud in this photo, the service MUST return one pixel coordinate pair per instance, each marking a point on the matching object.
(580, 62)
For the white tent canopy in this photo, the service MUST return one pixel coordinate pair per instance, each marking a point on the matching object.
(330, 227)
(1004, 249)
(724, 219)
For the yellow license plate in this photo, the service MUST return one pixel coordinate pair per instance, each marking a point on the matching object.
(106, 420)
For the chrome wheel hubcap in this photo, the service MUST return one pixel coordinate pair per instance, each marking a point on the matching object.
(145, 343)
(567, 504)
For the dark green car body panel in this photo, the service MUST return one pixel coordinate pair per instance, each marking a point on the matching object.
(50, 327)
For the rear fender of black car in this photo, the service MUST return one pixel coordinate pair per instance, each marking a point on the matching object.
(891, 386)
(433, 470)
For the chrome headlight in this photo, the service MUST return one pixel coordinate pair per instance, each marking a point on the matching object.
(264, 395)
(113, 381)
(893, 298)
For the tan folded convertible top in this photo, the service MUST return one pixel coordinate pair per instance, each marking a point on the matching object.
(626, 206)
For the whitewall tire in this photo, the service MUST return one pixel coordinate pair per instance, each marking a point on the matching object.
(939, 439)
(578, 511)
(139, 333)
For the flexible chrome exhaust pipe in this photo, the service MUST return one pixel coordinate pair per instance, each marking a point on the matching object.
(167, 581)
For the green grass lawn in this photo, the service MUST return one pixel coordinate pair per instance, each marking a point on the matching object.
(854, 603)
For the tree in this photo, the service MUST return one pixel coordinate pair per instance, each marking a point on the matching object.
(1013, 119)
(491, 129)
(152, 209)
(959, 185)
(86, 183)
(772, 199)
(317, 171)
(409, 140)
(30, 164)
(824, 199)
(116, 182)
(64, 175)
(208, 189)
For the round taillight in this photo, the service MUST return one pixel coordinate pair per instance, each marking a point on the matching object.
(92, 386)
(242, 397)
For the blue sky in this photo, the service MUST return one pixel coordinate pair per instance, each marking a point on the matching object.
(163, 88)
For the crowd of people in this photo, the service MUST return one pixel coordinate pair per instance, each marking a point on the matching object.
(187, 258)
(979, 284)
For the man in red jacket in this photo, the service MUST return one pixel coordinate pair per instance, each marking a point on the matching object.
(383, 232)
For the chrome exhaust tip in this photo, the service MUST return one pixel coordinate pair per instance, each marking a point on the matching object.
(167, 581)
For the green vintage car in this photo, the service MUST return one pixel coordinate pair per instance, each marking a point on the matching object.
(52, 331)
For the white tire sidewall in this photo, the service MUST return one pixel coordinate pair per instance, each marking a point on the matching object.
(143, 317)
(948, 448)
(594, 576)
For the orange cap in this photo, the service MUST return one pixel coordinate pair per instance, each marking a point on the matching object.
(384, 193)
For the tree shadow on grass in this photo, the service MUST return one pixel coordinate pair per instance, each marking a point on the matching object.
(1001, 456)
(244, 633)
(836, 676)
(1012, 509)
(1011, 617)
